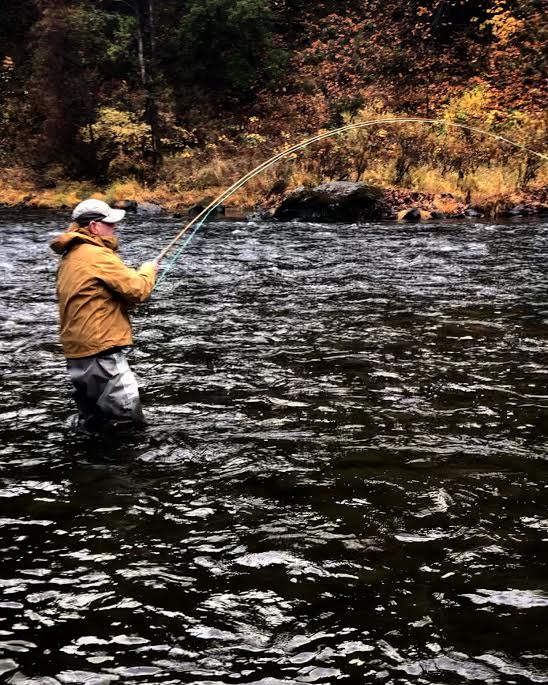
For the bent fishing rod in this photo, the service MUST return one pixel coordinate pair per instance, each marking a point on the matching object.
(199, 219)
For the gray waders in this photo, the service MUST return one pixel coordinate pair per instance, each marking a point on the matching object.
(106, 394)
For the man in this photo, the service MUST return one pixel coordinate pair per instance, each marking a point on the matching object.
(95, 289)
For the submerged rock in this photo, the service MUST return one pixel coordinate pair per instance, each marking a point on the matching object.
(333, 202)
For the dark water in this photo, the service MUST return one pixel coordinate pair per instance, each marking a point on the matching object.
(345, 477)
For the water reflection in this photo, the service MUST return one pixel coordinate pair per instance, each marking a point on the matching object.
(344, 476)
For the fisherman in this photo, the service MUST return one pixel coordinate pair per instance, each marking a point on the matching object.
(95, 290)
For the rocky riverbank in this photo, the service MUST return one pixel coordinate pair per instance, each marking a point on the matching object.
(346, 201)
(328, 202)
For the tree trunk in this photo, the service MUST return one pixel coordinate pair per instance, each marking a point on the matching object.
(146, 41)
(141, 50)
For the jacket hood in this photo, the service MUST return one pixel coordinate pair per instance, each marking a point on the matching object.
(75, 235)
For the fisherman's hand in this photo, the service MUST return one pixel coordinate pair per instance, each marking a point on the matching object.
(153, 263)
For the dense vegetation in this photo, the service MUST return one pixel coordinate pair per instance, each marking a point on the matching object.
(185, 95)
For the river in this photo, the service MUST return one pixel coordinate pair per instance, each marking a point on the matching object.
(345, 476)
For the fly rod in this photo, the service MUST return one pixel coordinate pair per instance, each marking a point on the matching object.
(199, 219)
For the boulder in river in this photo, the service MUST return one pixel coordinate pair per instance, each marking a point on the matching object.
(333, 202)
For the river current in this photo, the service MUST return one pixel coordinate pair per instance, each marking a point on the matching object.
(344, 479)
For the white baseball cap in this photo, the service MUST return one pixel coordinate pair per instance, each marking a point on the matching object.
(96, 210)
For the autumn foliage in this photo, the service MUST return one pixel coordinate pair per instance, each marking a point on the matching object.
(190, 93)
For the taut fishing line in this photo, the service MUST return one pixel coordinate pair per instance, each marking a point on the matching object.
(197, 222)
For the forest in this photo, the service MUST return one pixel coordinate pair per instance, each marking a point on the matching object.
(172, 100)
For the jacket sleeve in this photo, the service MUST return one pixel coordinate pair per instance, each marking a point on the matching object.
(133, 285)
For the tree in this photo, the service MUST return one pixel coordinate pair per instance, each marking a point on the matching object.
(64, 86)
(145, 29)
(227, 46)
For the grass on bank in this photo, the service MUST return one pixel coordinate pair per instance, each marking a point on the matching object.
(184, 182)
(179, 191)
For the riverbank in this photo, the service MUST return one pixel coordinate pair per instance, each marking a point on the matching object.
(17, 190)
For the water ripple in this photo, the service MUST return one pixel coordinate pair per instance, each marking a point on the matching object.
(344, 477)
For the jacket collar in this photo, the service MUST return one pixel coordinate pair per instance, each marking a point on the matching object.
(75, 235)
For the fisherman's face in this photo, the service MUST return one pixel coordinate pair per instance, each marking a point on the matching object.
(101, 229)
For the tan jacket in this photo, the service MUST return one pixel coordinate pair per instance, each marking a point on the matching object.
(94, 290)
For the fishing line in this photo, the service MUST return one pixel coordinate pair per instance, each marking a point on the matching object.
(179, 251)
(200, 218)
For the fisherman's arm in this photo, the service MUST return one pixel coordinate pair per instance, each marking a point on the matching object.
(133, 285)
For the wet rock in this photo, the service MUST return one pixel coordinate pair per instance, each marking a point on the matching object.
(333, 202)
(148, 209)
(435, 214)
(199, 207)
(128, 205)
(410, 215)
(428, 215)
(521, 210)
(472, 212)
(260, 215)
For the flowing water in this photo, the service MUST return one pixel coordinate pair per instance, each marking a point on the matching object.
(345, 476)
